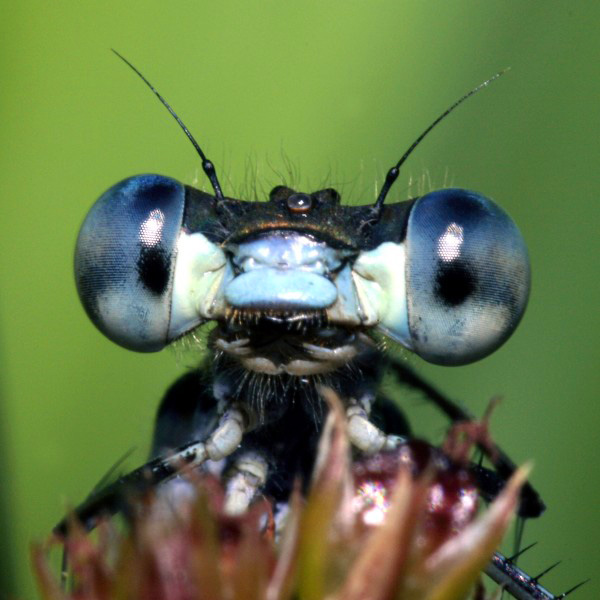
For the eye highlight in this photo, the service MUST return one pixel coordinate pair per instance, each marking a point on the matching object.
(449, 243)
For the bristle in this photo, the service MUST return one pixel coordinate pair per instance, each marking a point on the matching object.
(575, 587)
(520, 552)
(540, 575)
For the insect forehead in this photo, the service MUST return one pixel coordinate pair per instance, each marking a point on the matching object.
(318, 214)
(303, 202)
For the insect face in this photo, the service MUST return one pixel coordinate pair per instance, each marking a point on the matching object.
(446, 275)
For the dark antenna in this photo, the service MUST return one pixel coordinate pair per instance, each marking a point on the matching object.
(393, 173)
(207, 166)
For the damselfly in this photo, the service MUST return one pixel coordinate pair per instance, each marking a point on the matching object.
(300, 290)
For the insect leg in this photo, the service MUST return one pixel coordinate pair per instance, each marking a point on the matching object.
(190, 429)
(531, 505)
(502, 570)
(187, 412)
(387, 415)
(374, 423)
(244, 479)
(515, 581)
(190, 412)
(363, 434)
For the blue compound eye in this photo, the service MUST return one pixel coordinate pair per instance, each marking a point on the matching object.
(467, 276)
(125, 260)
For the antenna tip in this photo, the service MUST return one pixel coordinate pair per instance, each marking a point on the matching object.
(494, 77)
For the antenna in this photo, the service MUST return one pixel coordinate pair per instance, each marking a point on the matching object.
(207, 166)
(393, 173)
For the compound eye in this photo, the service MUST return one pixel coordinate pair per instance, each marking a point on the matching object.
(125, 259)
(467, 276)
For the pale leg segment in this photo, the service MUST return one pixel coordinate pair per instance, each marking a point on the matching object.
(221, 442)
(247, 476)
(366, 436)
(249, 472)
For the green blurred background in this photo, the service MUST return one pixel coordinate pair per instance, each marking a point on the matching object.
(340, 88)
